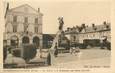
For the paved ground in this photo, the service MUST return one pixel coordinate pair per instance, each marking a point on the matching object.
(89, 57)
(85, 55)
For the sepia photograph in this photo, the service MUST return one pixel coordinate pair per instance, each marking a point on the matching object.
(57, 34)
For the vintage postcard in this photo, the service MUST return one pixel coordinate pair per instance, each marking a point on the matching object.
(57, 36)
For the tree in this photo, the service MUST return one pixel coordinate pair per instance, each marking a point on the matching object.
(29, 52)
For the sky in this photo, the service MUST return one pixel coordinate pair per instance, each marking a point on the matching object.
(73, 12)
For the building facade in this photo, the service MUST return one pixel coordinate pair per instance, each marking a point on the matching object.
(81, 33)
(23, 26)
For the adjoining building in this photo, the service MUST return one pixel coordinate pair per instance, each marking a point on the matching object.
(23, 26)
(48, 40)
(94, 33)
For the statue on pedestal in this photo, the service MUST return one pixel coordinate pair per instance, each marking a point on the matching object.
(54, 49)
(61, 35)
(61, 22)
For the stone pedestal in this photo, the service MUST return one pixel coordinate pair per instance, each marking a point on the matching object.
(14, 60)
(52, 49)
(52, 57)
(9, 59)
(38, 53)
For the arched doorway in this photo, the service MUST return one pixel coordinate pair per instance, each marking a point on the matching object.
(14, 41)
(36, 41)
(25, 40)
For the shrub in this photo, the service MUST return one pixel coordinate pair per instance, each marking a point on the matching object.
(4, 52)
(108, 45)
(29, 52)
(17, 52)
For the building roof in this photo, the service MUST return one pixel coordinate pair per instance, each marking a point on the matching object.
(96, 28)
(21, 9)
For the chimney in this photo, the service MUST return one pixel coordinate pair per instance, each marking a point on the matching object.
(104, 22)
(38, 9)
(83, 25)
(93, 25)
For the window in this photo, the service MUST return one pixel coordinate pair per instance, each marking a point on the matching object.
(26, 20)
(36, 29)
(74, 38)
(83, 35)
(25, 27)
(36, 20)
(93, 35)
(14, 18)
(87, 35)
(14, 28)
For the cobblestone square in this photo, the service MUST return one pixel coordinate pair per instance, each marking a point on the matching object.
(89, 57)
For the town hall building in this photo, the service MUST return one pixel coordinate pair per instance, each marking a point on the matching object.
(23, 26)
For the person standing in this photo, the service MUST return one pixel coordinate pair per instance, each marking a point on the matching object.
(48, 61)
(56, 50)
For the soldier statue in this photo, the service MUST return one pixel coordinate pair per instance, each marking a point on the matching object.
(61, 22)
